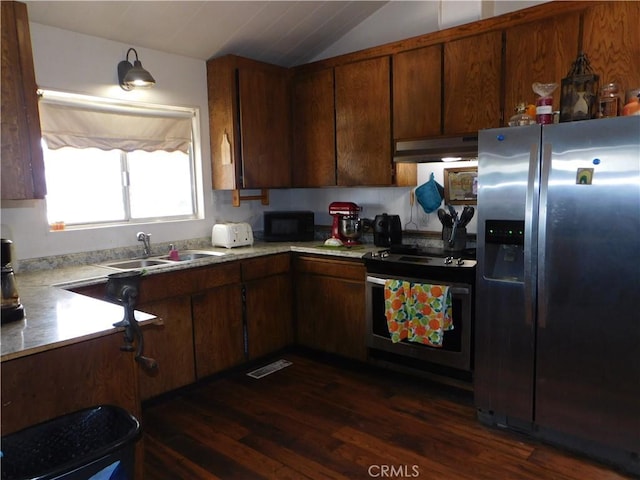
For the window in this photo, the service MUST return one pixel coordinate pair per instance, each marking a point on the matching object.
(109, 163)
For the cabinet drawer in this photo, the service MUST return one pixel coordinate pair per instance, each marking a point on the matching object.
(186, 282)
(343, 269)
(265, 266)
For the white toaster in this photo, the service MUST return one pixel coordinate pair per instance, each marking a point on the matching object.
(231, 235)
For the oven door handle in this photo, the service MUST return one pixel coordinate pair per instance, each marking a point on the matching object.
(381, 281)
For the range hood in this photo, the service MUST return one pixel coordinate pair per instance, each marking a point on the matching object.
(437, 149)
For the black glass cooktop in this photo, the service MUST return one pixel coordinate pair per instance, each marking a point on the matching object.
(412, 249)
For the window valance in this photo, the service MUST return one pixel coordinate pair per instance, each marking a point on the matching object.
(110, 126)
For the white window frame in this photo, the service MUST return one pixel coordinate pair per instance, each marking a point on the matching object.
(195, 152)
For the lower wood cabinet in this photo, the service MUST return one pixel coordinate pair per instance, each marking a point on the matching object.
(330, 305)
(268, 304)
(170, 344)
(244, 320)
(220, 316)
(217, 329)
(49, 384)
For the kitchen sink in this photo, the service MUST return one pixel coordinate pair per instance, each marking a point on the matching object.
(184, 256)
(189, 255)
(137, 263)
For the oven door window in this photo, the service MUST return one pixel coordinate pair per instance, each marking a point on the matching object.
(455, 351)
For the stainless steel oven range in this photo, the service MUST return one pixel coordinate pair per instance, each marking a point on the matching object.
(453, 361)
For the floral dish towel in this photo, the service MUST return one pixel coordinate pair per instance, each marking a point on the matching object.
(417, 312)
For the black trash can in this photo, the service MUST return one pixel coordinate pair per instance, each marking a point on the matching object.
(96, 443)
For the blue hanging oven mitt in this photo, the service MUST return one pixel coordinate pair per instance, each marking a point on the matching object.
(430, 194)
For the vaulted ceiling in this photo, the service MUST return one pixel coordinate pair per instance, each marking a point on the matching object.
(285, 33)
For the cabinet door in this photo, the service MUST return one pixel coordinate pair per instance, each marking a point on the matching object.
(417, 83)
(540, 51)
(269, 314)
(363, 122)
(265, 127)
(472, 79)
(612, 42)
(268, 303)
(217, 329)
(170, 344)
(330, 306)
(48, 384)
(314, 134)
(249, 123)
(22, 163)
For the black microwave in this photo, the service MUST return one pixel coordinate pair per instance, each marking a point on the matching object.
(289, 226)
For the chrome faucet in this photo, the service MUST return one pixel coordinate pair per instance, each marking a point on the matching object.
(145, 238)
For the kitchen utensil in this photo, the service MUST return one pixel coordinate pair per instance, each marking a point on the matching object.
(466, 216)
(412, 201)
(444, 218)
(453, 212)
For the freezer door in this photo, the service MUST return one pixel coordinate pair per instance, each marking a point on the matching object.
(508, 174)
(588, 340)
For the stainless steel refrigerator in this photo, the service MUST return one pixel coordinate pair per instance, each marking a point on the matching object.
(557, 350)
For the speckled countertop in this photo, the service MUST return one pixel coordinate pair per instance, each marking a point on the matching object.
(56, 317)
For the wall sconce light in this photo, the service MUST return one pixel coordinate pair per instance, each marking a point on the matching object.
(133, 76)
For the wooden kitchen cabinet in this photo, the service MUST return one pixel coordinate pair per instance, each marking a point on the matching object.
(22, 162)
(168, 297)
(55, 382)
(314, 134)
(252, 304)
(611, 40)
(268, 303)
(417, 84)
(363, 122)
(170, 344)
(472, 83)
(417, 105)
(330, 305)
(216, 305)
(249, 119)
(217, 327)
(540, 51)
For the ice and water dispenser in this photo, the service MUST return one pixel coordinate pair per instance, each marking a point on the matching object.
(504, 250)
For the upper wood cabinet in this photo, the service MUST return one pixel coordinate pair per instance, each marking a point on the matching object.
(472, 83)
(249, 119)
(363, 122)
(540, 51)
(22, 163)
(611, 40)
(314, 132)
(417, 91)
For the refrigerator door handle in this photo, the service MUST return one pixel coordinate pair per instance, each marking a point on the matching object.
(542, 234)
(530, 223)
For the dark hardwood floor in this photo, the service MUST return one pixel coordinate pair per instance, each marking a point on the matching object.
(328, 420)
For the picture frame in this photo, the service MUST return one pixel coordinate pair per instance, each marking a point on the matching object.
(461, 186)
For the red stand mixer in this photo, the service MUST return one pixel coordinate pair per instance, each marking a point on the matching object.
(347, 226)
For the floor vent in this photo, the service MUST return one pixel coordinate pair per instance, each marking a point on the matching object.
(268, 369)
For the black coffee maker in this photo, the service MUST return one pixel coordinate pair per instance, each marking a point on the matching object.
(12, 309)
